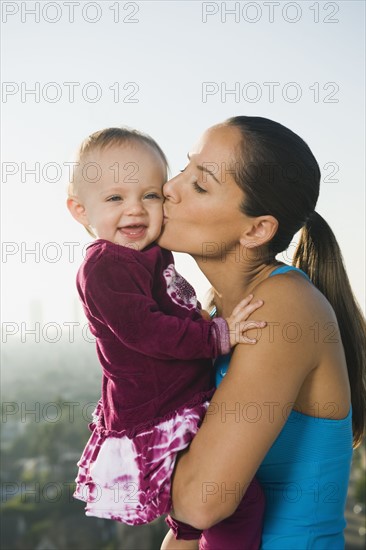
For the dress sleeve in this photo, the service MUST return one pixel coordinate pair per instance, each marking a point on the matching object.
(119, 297)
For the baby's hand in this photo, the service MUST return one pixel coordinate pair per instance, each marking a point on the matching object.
(237, 324)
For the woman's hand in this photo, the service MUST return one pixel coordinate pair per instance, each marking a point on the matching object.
(205, 315)
(237, 321)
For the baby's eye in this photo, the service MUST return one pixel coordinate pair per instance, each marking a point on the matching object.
(114, 198)
(152, 196)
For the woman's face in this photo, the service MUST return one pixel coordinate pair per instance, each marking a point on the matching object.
(202, 207)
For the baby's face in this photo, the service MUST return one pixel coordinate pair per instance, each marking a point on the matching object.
(122, 194)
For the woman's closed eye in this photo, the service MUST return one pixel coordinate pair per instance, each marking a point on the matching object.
(197, 188)
(195, 185)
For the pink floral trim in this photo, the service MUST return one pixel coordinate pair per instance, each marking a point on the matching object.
(179, 290)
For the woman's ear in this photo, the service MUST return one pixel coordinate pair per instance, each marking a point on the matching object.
(77, 210)
(259, 232)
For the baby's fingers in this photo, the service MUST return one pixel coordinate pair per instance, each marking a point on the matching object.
(242, 304)
(244, 327)
(244, 312)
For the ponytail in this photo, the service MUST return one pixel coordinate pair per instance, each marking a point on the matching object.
(319, 255)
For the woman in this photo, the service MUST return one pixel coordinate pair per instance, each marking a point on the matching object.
(286, 406)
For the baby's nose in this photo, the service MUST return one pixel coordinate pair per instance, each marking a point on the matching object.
(134, 207)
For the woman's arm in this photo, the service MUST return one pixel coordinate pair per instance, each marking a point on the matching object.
(250, 406)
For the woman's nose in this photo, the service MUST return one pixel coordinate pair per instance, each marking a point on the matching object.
(170, 189)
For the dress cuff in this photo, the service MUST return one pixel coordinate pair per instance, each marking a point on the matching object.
(182, 530)
(222, 330)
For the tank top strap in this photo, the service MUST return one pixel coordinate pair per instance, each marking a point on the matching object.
(285, 268)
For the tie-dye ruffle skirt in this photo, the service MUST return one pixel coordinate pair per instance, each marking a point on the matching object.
(128, 479)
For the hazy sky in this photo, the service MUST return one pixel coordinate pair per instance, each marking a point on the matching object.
(166, 68)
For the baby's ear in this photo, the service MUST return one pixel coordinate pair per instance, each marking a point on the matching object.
(77, 210)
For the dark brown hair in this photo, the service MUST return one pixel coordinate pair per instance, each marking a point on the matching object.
(280, 176)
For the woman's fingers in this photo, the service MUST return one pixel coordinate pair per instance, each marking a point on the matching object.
(205, 315)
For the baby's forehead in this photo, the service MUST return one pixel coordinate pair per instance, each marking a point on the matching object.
(120, 172)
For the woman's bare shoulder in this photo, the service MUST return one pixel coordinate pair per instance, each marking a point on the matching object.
(297, 316)
(291, 294)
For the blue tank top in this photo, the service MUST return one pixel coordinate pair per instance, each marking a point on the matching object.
(305, 477)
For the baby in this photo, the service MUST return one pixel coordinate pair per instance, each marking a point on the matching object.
(154, 345)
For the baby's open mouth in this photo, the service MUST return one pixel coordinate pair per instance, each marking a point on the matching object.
(134, 231)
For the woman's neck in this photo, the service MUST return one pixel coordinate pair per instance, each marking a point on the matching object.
(232, 280)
